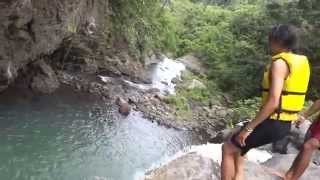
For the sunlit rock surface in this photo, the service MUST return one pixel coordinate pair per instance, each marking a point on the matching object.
(203, 162)
(189, 166)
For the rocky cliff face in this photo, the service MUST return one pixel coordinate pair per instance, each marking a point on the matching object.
(31, 29)
(60, 33)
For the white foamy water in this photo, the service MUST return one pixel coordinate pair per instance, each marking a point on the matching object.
(161, 74)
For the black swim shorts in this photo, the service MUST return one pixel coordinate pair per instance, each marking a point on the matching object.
(267, 132)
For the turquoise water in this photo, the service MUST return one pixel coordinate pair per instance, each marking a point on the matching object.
(71, 136)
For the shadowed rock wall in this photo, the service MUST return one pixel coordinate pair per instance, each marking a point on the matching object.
(30, 29)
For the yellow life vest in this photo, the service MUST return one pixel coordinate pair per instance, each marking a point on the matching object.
(294, 89)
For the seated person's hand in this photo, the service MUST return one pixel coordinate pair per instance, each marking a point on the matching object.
(301, 120)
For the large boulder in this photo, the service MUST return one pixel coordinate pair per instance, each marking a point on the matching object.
(194, 64)
(195, 167)
(122, 64)
(189, 166)
(153, 58)
(199, 166)
(196, 84)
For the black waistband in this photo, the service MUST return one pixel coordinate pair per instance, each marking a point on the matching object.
(289, 111)
(282, 121)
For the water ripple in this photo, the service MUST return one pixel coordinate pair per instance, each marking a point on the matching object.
(72, 138)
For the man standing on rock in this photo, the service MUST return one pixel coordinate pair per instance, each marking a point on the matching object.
(285, 83)
(312, 143)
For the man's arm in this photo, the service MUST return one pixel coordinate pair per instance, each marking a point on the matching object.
(279, 73)
(312, 110)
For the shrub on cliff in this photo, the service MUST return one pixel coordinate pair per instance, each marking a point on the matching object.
(144, 24)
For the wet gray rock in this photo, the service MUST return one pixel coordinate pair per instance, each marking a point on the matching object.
(196, 84)
(194, 64)
(153, 58)
(85, 84)
(122, 64)
(45, 80)
(165, 83)
(175, 80)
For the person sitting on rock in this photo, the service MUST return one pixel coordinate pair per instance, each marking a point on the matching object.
(285, 83)
(312, 143)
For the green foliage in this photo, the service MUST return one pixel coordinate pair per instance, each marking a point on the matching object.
(196, 94)
(181, 105)
(230, 35)
(247, 108)
(244, 110)
(202, 95)
(144, 24)
(185, 97)
(228, 38)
